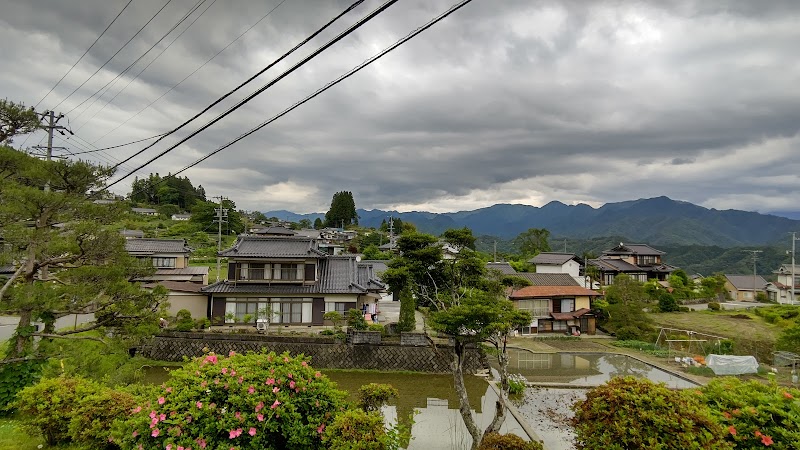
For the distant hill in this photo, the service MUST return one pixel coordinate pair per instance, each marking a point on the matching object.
(658, 221)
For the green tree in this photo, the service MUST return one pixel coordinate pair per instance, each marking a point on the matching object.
(533, 241)
(625, 314)
(318, 225)
(464, 304)
(407, 320)
(304, 223)
(460, 237)
(16, 119)
(204, 214)
(342, 211)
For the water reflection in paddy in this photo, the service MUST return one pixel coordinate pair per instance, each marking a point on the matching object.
(586, 369)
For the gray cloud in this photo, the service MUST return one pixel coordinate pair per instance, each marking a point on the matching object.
(514, 101)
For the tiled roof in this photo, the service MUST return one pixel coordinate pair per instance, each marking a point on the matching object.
(614, 264)
(283, 231)
(552, 291)
(504, 267)
(273, 247)
(552, 258)
(150, 246)
(7, 269)
(177, 286)
(192, 270)
(638, 249)
(745, 282)
(337, 275)
(132, 233)
(144, 210)
(548, 279)
(569, 315)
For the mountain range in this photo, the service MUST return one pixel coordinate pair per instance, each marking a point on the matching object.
(656, 221)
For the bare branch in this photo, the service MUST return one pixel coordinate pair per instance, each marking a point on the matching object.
(13, 277)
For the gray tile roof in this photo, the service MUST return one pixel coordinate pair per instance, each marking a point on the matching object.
(548, 279)
(378, 266)
(638, 249)
(176, 286)
(552, 258)
(281, 231)
(504, 267)
(144, 210)
(337, 275)
(745, 282)
(273, 247)
(132, 233)
(614, 264)
(151, 246)
(192, 270)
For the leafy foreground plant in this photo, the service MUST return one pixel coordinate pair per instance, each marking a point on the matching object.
(757, 415)
(259, 400)
(630, 412)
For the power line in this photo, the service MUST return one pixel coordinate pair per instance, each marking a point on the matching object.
(192, 73)
(113, 81)
(112, 56)
(84, 53)
(149, 63)
(118, 146)
(327, 86)
(262, 89)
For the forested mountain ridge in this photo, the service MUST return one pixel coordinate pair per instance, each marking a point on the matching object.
(658, 221)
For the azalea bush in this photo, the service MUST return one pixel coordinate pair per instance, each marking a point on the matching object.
(259, 400)
(496, 441)
(756, 415)
(629, 412)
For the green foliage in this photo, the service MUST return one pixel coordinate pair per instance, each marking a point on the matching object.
(789, 339)
(50, 405)
(184, 321)
(407, 321)
(533, 241)
(90, 422)
(516, 384)
(169, 190)
(355, 320)
(636, 413)
(460, 238)
(372, 252)
(13, 378)
(335, 317)
(667, 302)
(318, 224)
(496, 441)
(478, 317)
(756, 414)
(714, 306)
(644, 347)
(16, 119)
(342, 211)
(371, 397)
(624, 315)
(360, 430)
(376, 327)
(204, 215)
(259, 400)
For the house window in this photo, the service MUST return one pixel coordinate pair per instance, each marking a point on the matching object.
(648, 260)
(567, 305)
(340, 307)
(164, 262)
(288, 271)
(254, 271)
(537, 307)
(284, 310)
(559, 325)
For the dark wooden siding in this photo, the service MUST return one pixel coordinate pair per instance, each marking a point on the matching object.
(317, 311)
(310, 272)
(231, 271)
(218, 307)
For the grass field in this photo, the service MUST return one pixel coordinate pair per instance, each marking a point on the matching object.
(729, 324)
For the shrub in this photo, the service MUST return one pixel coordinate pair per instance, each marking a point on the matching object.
(13, 378)
(667, 303)
(259, 400)
(516, 384)
(184, 321)
(495, 441)
(789, 339)
(636, 413)
(92, 418)
(714, 306)
(359, 430)
(49, 405)
(355, 320)
(371, 397)
(335, 317)
(407, 320)
(376, 327)
(756, 414)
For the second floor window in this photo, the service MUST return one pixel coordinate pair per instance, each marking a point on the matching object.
(537, 307)
(286, 271)
(164, 262)
(647, 260)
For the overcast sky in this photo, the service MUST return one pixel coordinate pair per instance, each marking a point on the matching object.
(502, 102)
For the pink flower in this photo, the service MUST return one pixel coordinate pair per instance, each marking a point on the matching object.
(216, 380)
(304, 364)
(238, 415)
(231, 354)
(241, 379)
(204, 383)
(285, 359)
(235, 433)
(137, 410)
(766, 440)
(318, 374)
(169, 390)
(212, 359)
(153, 414)
(169, 446)
(275, 405)
(153, 422)
(155, 432)
(291, 385)
(260, 417)
(289, 375)
(321, 428)
(224, 370)
(199, 405)
(135, 433)
(233, 372)
(275, 390)
(180, 447)
(162, 417)
(732, 430)
(317, 403)
(270, 381)
(161, 400)
(201, 442)
(787, 395)
(252, 431)
(259, 406)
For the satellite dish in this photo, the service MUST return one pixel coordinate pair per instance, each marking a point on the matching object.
(358, 258)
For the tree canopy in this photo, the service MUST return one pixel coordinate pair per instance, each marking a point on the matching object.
(16, 119)
(533, 241)
(169, 190)
(342, 211)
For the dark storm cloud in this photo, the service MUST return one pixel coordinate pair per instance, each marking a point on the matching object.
(512, 101)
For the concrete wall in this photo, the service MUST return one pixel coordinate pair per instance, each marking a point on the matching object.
(197, 304)
(325, 353)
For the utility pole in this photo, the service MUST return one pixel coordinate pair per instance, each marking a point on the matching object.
(51, 126)
(222, 215)
(794, 238)
(755, 257)
(391, 230)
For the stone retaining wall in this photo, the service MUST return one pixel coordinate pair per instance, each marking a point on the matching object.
(325, 353)
(413, 339)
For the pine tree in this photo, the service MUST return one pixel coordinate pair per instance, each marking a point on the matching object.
(407, 321)
(342, 211)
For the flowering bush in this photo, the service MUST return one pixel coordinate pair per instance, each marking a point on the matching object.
(358, 430)
(259, 401)
(636, 413)
(516, 384)
(92, 418)
(756, 415)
